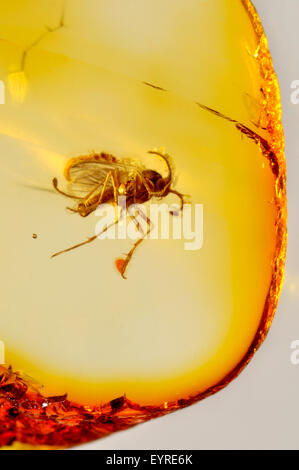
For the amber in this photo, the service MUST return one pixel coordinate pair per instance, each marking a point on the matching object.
(196, 80)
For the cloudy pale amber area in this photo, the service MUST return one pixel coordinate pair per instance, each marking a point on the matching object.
(184, 319)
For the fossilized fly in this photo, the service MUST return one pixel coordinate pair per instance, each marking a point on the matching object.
(101, 178)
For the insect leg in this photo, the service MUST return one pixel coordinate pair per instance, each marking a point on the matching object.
(55, 185)
(95, 189)
(109, 175)
(89, 240)
(122, 264)
(115, 186)
(71, 209)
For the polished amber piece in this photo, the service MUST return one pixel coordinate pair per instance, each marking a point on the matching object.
(125, 77)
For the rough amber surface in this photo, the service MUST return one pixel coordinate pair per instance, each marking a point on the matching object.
(196, 79)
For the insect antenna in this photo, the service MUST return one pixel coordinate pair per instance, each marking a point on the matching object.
(166, 159)
(55, 184)
(180, 196)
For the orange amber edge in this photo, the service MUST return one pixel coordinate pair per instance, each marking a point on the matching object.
(27, 418)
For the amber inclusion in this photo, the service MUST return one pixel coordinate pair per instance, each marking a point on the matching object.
(124, 77)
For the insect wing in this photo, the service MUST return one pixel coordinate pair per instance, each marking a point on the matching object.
(86, 175)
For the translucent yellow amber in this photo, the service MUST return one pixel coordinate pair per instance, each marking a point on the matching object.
(126, 76)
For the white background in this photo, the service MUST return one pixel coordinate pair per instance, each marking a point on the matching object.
(260, 409)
